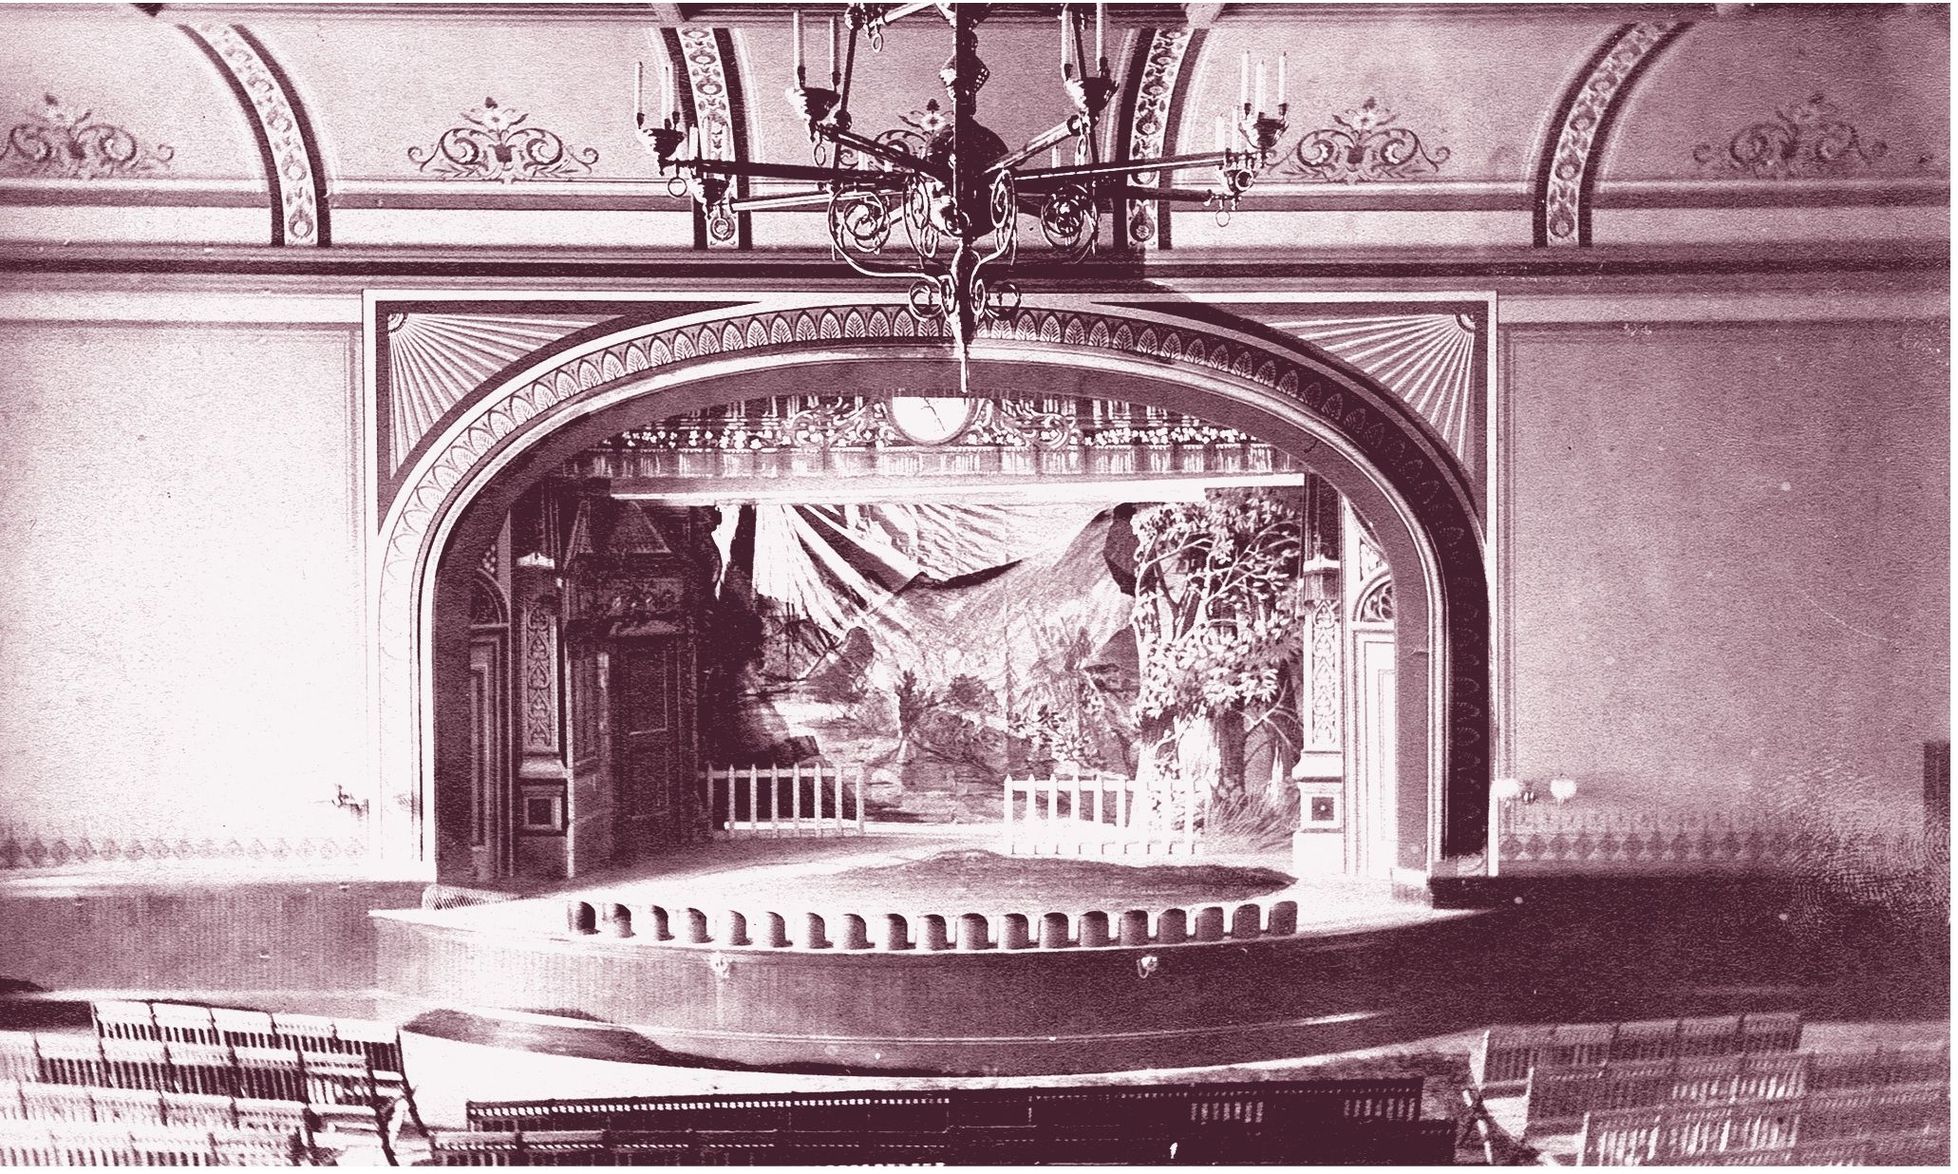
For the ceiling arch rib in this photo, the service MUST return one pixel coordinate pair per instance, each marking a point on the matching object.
(289, 150)
(1570, 158)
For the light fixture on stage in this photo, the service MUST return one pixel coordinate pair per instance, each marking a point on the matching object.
(1319, 573)
(1563, 790)
(1319, 577)
(953, 185)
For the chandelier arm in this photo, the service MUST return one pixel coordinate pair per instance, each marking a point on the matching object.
(884, 20)
(1007, 216)
(851, 258)
(1174, 195)
(1131, 167)
(880, 271)
(808, 172)
(781, 202)
(1051, 137)
(902, 159)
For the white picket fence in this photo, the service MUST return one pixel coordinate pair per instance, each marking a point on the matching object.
(771, 801)
(1100, 814)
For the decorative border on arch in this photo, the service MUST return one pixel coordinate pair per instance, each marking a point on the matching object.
(1570, 161)
(701, 56)
(495, 419)
(1162, 65)
(293, 173)
(1380, 429)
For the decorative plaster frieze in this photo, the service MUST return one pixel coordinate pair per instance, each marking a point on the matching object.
(292, 167)
(713, 108)
(104, 848)
(1573, 156)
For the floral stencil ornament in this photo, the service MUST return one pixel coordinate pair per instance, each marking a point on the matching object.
(1362, 146)
(496, 144)
(1803, 139)
(59, 143)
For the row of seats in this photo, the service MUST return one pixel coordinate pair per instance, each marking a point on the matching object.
(180, 1084)
(1425, 1143)
(1558, 1098)
(1910, 1149)
(1719, 1090)
(1152, 1110)
(257, 1073)
(1916, 1115)
(191, 1023)
(1508, 1054)
(71, 1143)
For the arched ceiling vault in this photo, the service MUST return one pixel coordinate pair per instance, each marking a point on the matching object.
(1410, 125)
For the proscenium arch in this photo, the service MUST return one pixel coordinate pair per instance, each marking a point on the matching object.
(1369, 445)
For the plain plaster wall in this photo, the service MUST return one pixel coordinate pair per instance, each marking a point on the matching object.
(181, 642)
(1730, 564)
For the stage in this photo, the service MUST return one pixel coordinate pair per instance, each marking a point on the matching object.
(921, 950)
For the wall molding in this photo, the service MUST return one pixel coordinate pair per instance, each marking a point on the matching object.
(204, 303)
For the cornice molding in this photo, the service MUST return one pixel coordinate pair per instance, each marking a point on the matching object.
(812, 268)
(1825, 302)
(364, 193)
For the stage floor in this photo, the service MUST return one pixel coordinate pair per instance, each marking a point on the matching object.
(949, 870)
(928, 952)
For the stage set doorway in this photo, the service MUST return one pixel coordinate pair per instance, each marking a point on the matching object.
(464, 482)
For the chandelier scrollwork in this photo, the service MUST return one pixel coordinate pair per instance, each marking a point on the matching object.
(955, 186)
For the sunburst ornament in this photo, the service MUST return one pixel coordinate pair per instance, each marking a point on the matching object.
(1428, 360)
(434, 360)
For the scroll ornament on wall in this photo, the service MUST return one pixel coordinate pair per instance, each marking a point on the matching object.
(1362, 146)
(58, 143)
(496, 142)
(1802, 140)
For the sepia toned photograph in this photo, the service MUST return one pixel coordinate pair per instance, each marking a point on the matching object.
(953, 583)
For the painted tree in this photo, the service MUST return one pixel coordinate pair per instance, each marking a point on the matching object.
(1219, 610)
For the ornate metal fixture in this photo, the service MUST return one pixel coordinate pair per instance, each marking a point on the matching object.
(953, 185)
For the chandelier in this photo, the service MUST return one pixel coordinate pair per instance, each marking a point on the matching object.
(953, 185)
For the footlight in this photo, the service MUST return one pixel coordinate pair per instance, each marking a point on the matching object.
(1563, 790)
